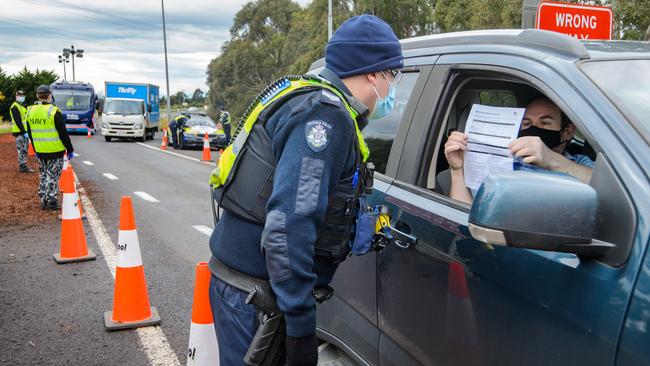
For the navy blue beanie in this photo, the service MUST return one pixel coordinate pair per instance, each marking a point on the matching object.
(362, 45)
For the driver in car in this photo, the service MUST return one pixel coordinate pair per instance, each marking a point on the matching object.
(545, 133)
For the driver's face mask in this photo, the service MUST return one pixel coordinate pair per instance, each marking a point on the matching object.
(550, 138)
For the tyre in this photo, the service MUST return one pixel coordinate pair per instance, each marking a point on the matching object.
(142, 138)
(108, 138)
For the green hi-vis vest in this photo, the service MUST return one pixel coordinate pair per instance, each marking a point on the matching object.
(41, 123)
(224, 118)
(221, 175)
(23, 111)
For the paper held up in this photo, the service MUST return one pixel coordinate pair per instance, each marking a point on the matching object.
(489, 130)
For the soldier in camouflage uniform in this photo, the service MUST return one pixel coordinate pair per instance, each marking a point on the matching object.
(17, 113)
(46, 129)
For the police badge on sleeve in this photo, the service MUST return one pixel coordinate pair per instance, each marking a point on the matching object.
(317, 134)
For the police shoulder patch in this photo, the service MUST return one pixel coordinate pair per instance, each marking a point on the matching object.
(317, 134)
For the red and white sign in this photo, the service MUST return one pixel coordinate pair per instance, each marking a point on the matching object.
(579, 21)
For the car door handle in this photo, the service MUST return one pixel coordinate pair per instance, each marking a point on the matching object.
(402, 239)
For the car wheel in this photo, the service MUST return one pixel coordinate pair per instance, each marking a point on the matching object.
(142, 138)
(108, 138)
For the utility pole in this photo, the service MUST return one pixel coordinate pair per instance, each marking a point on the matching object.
(71, 52)
(64, 60)
(169, 103)
(329, 19)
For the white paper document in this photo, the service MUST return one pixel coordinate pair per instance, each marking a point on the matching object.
(489, 131)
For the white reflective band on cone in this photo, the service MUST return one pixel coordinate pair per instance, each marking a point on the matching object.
(203, 348)
(206, 143)
(70, 206)
(128, 249)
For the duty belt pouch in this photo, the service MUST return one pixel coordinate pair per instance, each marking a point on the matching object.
(251, 186)
(365, 228)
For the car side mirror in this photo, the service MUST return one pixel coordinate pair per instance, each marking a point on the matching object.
(543, 211)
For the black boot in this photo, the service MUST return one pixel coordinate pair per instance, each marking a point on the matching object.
(25, 169)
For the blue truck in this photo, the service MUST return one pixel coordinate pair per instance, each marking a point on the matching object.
(77, 101)
(130, 110)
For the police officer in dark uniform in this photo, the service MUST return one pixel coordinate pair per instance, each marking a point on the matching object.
(175, 125)
(313, 142)
(224, 120)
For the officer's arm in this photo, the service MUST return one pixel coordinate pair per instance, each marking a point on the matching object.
(15, 114)
(303, 180)
(59, 124)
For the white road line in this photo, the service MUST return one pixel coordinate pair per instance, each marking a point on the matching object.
(203, 229)
(146, 196)
(168, 152)
(88, 162)
(152, 339)
(110, 176)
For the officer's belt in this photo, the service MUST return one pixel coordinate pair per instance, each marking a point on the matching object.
(237, 279)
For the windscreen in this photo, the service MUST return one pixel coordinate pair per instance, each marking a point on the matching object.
(200, 121)
(125, 107)
(627, 84)
(71, 99)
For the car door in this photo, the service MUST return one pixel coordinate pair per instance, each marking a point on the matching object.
(452, 300)
(349, 319)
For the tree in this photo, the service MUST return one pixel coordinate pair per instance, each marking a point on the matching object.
(197, 97)
(26, 81)
(408, 18)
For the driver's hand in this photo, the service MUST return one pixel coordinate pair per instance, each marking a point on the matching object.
(455, 150)
(531, 150)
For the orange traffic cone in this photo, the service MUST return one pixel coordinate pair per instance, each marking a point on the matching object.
(460, 329)
(163, 146)
(203, 346)
(131, 308)
(30, 149)
(206, 148)
(73, 237)
(89, 134)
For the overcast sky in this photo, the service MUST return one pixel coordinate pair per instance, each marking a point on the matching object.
(122, 39)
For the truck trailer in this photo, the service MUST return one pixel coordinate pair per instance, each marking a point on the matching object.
(130, 110)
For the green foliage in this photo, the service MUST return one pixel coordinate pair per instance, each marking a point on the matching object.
(271, 38)
(24, 80)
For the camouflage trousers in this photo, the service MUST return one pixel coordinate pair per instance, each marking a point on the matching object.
(22, 144)
(49, 174)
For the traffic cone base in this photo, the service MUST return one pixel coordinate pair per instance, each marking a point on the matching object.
(61, 260)
(110, 325)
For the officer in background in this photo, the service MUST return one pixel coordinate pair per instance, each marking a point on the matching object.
(316, 149)
(177, 124)
(19, 130)
(46, 129)
(224, 121)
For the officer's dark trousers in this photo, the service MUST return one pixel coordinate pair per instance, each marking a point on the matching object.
(234, 320)
(172, 128)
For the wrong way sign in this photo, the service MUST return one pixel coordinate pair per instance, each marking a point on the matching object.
(579, 21)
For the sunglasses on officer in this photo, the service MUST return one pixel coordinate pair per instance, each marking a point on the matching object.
(397, 75)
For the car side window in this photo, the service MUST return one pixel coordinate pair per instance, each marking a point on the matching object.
(380, 133)
(468, 90)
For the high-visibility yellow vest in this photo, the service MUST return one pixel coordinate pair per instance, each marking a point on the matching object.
(221, 174)
(23, 111)
(41, 123)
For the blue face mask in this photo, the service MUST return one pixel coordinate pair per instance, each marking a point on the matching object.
(383, 106)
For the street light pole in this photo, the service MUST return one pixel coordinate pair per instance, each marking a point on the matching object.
(329, 19)
(67, 52)
(64, 60)
(169, 104)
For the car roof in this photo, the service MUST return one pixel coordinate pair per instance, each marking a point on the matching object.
(525, 42)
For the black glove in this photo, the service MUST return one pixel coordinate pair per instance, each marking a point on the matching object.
(302, 351)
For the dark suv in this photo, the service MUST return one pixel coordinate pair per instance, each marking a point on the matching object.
(541, 269)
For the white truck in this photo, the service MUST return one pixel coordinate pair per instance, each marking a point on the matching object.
(130, 111)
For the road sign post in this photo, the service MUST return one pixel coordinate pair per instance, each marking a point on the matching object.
(579, 21)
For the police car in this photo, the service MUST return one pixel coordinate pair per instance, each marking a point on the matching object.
(541, 269)
(193, 132)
